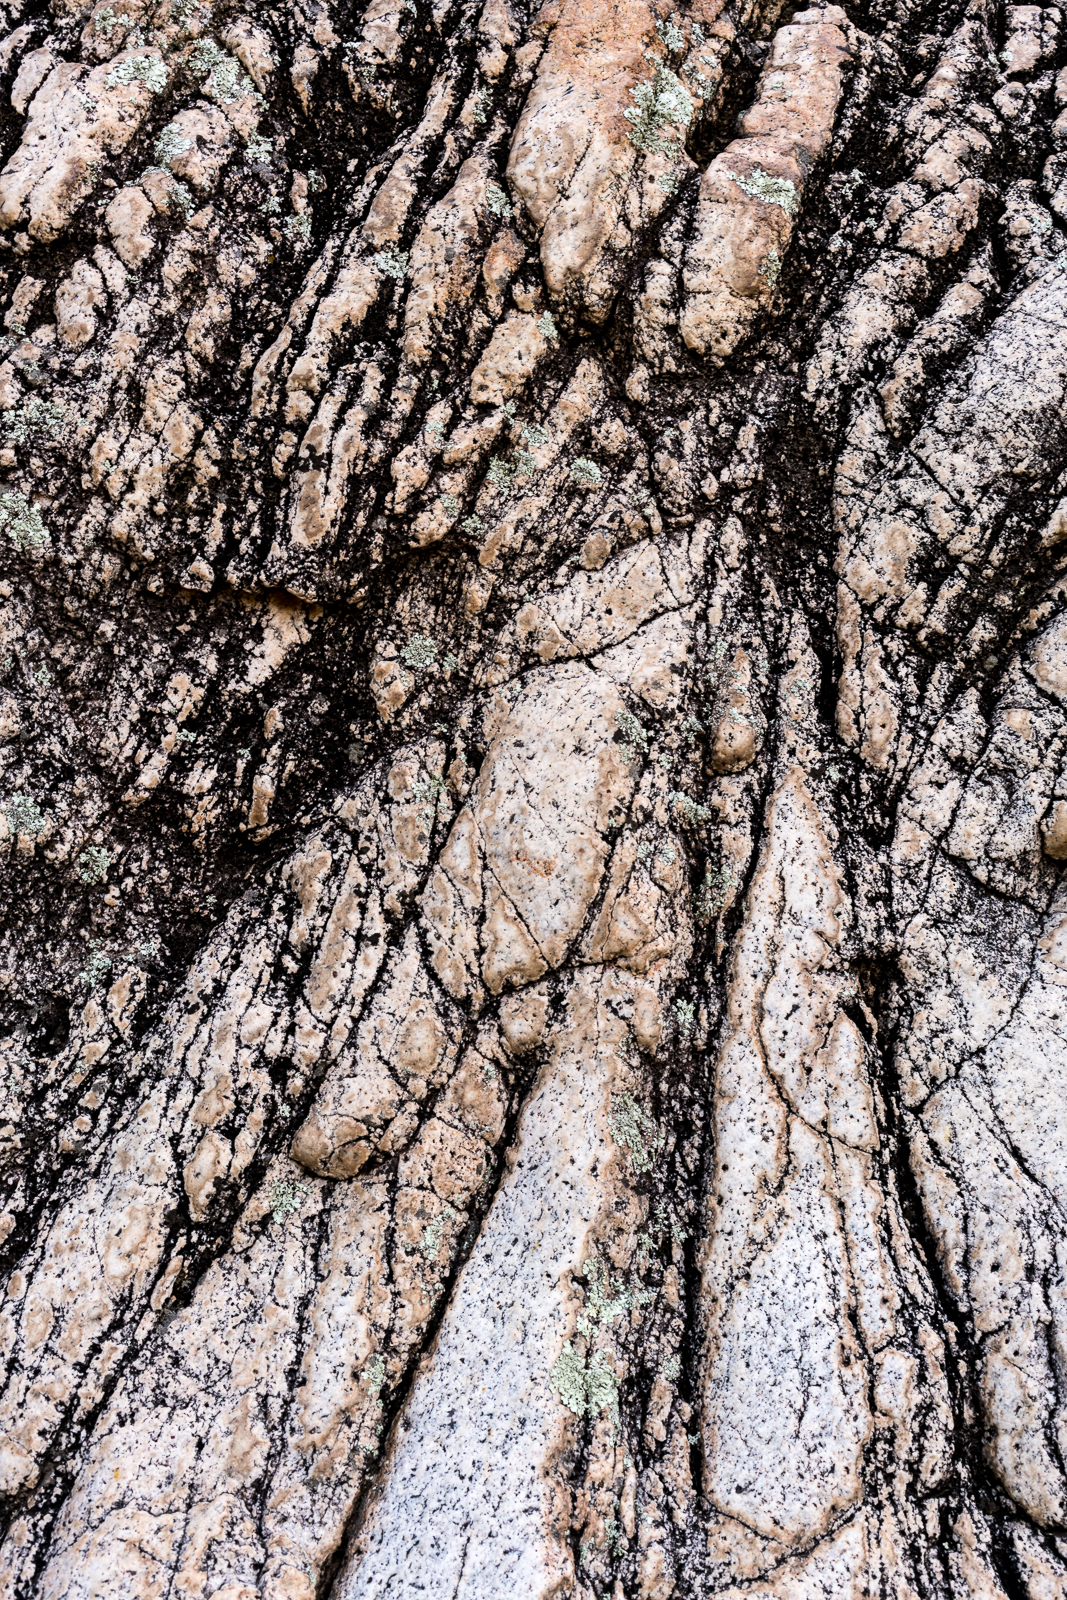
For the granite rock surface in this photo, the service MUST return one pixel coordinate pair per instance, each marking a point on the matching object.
(533, 800)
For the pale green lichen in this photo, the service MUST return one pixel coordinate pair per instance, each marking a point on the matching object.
(602, 1388)
(671, 33)
(285, 1197)
(760, 185)
(433, 1233)
(605, 1302)
(28, 368)
(664, 1219)
(497, 201)
(35, 416)
(420, 651)
(178, 195)
(546, 326)
(21, 522)
(636, 1131)
(502, 473)
(685, 1011)
(392, 263)
(770, 268)
(259, 149)
(374, 1374)
(93, 864)
(180, 198)
(189, 12)
(428, 791)
(95, 970)
(659, 102)
(171, 143)
(634, 735)
(225, 80)
(714, 892)
(585, 1390)
(24, 815)
(691, 810)
(297, 230)
(106, 22)
(567, 1379)
(148, 70)
(584, 471)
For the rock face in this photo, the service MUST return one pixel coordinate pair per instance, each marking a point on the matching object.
(533, 800)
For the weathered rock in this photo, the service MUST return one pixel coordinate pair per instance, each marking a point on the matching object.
(533, 800)
(751, 193)
(591, 162)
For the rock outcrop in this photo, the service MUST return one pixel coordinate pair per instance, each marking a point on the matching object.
(533, 800)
